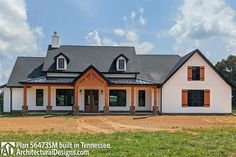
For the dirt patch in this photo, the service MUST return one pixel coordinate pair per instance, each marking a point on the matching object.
(110, 124)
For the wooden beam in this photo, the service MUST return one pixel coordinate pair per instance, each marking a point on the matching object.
(25, 96)
(76, 96)
(106, 107)
(132, 96)
(155, 97)
(49, 95)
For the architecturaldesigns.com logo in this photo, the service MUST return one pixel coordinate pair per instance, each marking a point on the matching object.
(7, 148)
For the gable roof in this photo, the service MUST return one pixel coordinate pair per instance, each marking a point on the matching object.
(25, 68)
(185, 58)
(122, 55)
(61, 54)
(87, 69)
(101, 57)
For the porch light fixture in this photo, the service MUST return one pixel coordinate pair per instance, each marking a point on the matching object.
(101, 92)
(80, 91)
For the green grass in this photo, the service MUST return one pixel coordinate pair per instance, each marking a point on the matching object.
(192, 143)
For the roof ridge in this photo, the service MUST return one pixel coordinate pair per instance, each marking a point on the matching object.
(29, 57)
(118, 46)
(158, 55)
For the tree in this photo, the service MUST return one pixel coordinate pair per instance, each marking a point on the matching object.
(228, 68)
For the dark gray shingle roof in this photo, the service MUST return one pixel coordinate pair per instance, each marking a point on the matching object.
(81, 57)
(156, 67)
(25, 68)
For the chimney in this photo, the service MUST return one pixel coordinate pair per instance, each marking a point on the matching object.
(55, 40)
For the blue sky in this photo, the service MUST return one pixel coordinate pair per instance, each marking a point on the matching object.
(152, 26)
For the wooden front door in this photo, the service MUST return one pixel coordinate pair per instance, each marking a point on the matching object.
(91, 100)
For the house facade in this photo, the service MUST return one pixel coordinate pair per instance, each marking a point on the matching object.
(108, 79)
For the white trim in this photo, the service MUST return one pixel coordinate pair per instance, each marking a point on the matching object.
(65, 63)
(117, 64)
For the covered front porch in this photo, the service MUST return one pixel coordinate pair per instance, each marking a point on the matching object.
(90, 92)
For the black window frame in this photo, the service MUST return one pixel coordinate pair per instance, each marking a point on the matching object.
(121, 66)
(196, 98)
(121, 102)
(196, 73)
(141, 100)
(59, 63)
(39, 95)
(67, 95)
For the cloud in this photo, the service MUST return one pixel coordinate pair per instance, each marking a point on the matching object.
(93, 38)
(199, 21)
(136, 16)
(131, 39)
(129, 35)
(17, 37)
(119, 32)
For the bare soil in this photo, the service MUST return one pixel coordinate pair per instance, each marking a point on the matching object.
(109, 124)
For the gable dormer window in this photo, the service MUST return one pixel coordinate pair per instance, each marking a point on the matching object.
(121, 64)
(61, 63)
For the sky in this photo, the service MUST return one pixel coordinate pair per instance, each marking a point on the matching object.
(152, 26)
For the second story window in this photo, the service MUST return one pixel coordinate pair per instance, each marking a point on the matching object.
(121, 63)
(61, 63)
(195, 73)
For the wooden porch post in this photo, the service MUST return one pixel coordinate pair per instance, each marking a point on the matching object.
(155, 107)
(106, 107)
(76, 100)
(49, 107)
(132, 107)
(25, 107)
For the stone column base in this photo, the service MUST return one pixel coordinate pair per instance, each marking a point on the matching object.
(106, 109)
(155, 110)
(132, 109)
(24, 109)
(75, 110)
(49, 109)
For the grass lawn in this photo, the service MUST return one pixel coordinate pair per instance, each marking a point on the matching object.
(200, 142)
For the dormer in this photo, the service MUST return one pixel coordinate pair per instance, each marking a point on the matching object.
(61, 61)
(121, 62)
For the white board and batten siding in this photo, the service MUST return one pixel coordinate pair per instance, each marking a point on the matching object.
(220, 91)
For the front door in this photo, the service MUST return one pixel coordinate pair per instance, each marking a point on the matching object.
(91, 100)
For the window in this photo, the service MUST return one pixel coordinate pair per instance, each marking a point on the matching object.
(196, 73)
(117, 98)
(121, 64)
(61, 63)
(64, 97)
(195, 98)
(39, 97)
(141, 98)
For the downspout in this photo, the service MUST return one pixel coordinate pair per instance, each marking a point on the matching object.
(10, 100)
